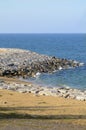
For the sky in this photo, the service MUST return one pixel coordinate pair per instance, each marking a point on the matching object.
(42, 16)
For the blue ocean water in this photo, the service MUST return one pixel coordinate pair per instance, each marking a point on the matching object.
(70, 46)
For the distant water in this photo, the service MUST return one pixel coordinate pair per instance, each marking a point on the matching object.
(70, 46)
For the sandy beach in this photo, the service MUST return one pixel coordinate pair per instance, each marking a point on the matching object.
(17, 105)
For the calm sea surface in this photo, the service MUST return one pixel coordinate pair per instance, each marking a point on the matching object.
(70, 46)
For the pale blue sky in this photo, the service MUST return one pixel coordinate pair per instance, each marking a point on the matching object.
(42, 16)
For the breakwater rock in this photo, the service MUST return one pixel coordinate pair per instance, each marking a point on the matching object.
(18, 62)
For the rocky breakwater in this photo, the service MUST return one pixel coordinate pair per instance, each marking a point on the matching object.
(18, 62)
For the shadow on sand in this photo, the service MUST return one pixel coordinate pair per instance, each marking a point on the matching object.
(11, 112)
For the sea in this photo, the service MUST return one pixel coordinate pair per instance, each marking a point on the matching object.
(69, 46)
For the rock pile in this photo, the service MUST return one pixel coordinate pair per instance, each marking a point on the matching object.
(18, 62)
(23, 63)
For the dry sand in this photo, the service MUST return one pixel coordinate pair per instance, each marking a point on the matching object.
(25, 105)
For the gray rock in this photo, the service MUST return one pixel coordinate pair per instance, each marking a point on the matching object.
(18, 62)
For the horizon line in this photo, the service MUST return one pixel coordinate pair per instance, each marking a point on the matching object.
(43, 33)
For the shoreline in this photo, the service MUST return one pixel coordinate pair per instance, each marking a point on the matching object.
(17, 63)
(22, 86)
(33, 106)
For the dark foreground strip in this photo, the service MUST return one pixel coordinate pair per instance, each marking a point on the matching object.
(29, 116)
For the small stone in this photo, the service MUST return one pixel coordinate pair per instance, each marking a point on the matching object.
(5, 102)
(66, 96)
(80, 97)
